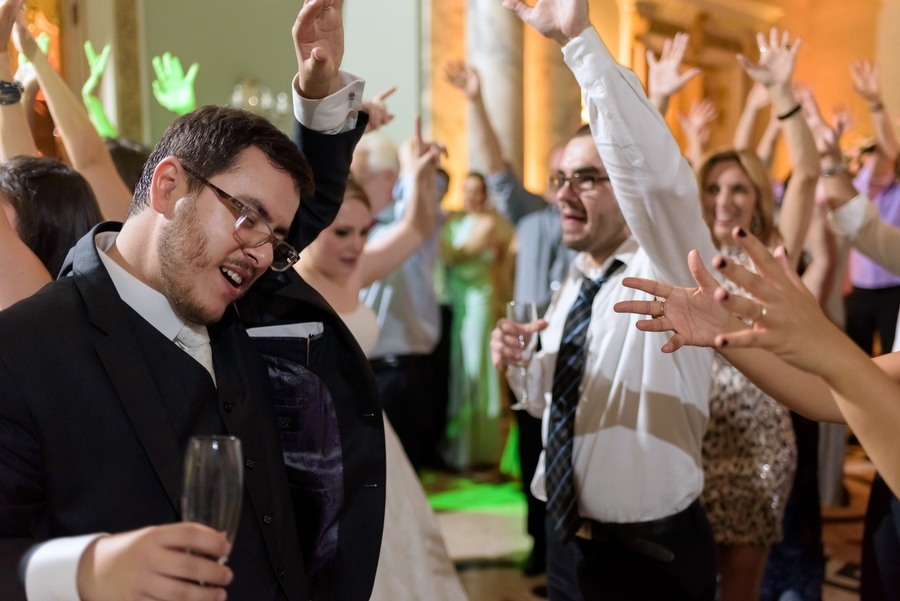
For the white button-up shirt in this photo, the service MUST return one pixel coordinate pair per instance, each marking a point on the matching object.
(642, 414)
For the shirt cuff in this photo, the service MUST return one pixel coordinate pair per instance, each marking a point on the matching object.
(333, 114)
(849, 219)
(52, 571)
(587, 56)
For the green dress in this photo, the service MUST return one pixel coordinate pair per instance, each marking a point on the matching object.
(472, 438)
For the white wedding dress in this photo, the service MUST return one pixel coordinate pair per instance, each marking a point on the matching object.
(413, 564)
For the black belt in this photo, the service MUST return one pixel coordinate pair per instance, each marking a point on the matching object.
(638, 537)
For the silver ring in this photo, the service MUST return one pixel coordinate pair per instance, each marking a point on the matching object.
(762, 49)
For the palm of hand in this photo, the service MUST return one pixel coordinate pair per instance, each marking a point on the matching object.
(695, 316)
(327, 37)
(174, 89)
(775, 66)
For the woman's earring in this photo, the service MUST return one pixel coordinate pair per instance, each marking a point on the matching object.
(756, 224)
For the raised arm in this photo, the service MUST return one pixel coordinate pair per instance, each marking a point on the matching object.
(757, 99)
(85, 147)
(664, 76)
(15, 135)
(512, 199)
(867, 84)
(775, 71)
(384, 255)
(654, 185)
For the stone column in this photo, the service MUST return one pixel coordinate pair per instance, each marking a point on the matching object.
(494, 47)
(552, 106)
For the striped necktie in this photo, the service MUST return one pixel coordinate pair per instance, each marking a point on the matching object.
(562, 505)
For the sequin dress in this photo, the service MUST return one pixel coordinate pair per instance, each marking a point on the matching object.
(749, 453)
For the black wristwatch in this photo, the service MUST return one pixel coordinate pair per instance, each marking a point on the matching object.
(11, 92)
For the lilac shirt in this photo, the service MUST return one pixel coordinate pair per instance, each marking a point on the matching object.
(865, 273)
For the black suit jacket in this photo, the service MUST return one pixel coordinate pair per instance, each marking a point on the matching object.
(335, 358)
(87, 442)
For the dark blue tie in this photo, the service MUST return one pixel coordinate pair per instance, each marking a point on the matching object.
(562, 505)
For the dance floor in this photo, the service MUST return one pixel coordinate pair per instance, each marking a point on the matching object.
(482, 518)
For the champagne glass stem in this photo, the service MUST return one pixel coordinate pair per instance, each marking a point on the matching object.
(524, 372)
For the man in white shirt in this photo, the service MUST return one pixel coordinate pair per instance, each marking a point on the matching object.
(623, 423)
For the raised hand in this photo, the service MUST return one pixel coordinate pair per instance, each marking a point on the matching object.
(172, 88)
(558, 20)
(696, 122)
(463, 78)
(786, 318)
(827, 137)
(664, 75)
(319, 45)
(377, 110)
(9, 11)
(97, 65)
(776, 59)
(866, 82)
(692, 313)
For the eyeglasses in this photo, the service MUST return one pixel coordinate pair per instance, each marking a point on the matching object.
(580, 181)
(252, 230)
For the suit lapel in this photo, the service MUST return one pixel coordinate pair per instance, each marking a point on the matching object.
(123, 354)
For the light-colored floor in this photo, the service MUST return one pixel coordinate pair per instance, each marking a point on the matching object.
(488, 543)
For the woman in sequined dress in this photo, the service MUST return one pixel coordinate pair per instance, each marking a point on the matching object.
(749, 451)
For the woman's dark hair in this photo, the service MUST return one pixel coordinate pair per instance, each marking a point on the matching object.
(129, 158)
(54, 206)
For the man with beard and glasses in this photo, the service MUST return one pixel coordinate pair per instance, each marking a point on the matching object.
(623, 422)
(108, 372)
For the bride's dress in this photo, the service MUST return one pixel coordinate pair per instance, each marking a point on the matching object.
(413, 564)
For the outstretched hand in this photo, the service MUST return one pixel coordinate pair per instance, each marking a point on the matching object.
(786, 318)
(97, 65)
(319, 45)
(558, 20)
(664, 75)
(172, 88)
(691, 313)
(464, 78)
(377, 109)
(776, 59)
(866, 81)
(696, 122)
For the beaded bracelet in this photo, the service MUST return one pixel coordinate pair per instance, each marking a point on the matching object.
(10, 92)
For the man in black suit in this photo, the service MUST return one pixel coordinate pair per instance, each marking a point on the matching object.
(98, 403)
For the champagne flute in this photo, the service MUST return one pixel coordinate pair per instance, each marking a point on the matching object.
(213, 484)
(523, 312)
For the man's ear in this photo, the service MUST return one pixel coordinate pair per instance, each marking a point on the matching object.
(168, 186)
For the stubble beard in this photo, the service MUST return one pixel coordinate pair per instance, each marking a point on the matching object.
(182, 251)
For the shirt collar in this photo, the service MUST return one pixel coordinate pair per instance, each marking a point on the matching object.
(624, 253)
(150, 304)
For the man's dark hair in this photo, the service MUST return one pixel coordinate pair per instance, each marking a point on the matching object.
(210, 140)
(54, 206)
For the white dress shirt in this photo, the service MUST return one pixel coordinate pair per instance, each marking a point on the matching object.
(860, 222)
(642, 414)
(51, 573)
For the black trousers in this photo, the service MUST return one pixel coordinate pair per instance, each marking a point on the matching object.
(530, 447)
(406, 386)
(880, 573)
(613, 568)
(872, 310)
